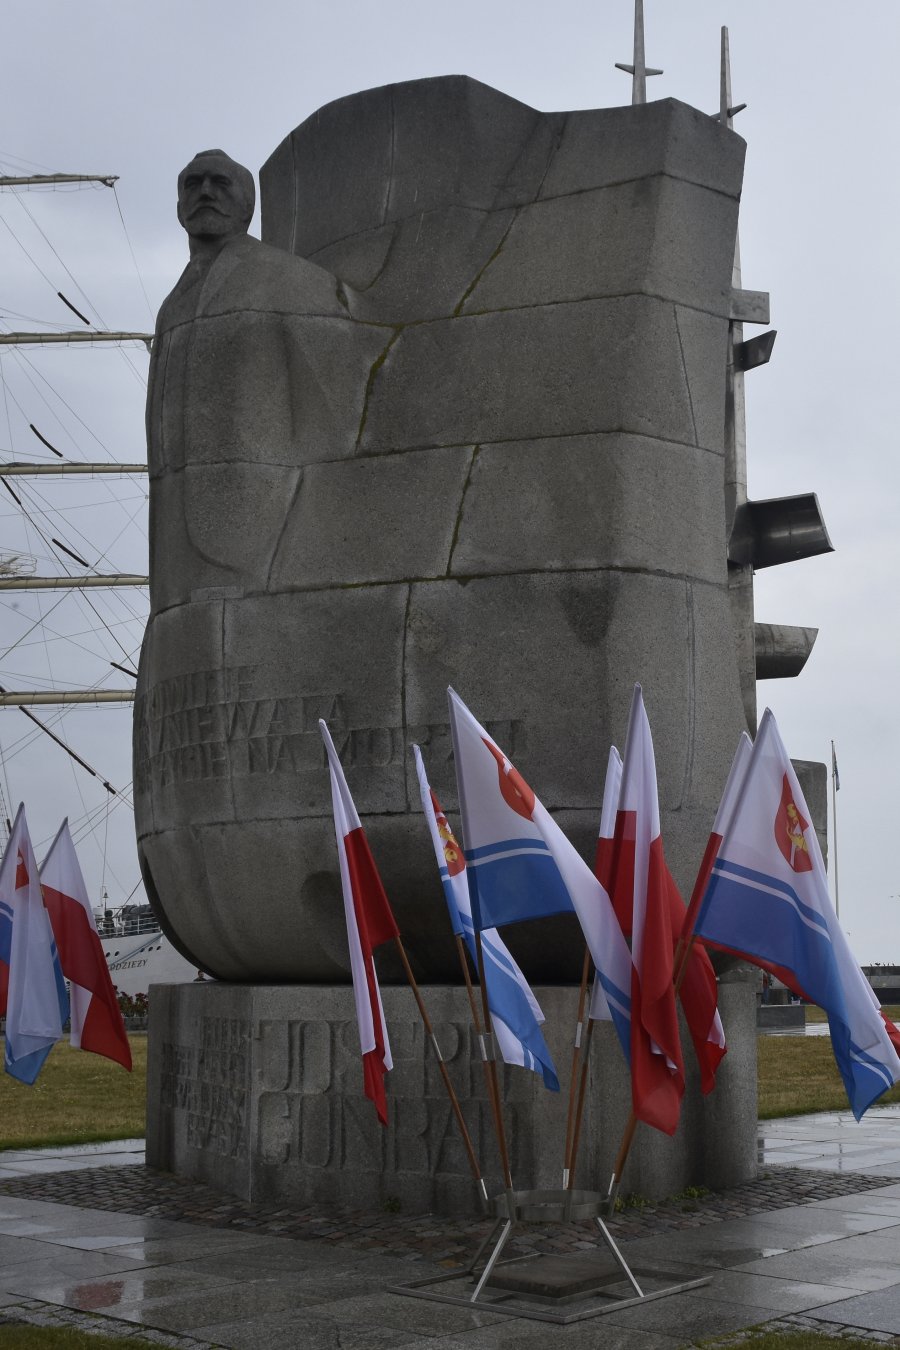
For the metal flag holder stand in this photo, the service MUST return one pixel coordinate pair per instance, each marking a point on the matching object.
(601, 1289)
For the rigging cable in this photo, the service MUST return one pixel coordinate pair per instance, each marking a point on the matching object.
(105, 845)
(86, 599)
(5, 797)
(133, 258)
(102, 324)
(83, 762)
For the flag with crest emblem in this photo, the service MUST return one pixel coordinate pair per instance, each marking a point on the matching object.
(515, 1012)
(521, 865)
(767, 901)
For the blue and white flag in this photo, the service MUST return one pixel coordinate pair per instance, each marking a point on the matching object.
(521, 866)
(37, 1003)
(767, 900)
(516, 1014)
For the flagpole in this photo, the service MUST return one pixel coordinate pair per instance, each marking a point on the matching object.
(576, 1047)
(476, 1022)
(582, 1092)
(454, 1100)
(837, 903)
(487, 1051)
(464, 966)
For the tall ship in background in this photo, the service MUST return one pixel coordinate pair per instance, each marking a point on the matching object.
(137, 952)
(73, 558)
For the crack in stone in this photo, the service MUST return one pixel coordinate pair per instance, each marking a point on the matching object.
(687, 379)
(387, 257)
(554, 149)
(459, 514)
(295, 497)
(457, 313)
(370, 382)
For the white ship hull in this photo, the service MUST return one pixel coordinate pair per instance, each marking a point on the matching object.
(137, 961)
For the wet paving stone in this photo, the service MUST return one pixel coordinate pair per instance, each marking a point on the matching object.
(140, 1191)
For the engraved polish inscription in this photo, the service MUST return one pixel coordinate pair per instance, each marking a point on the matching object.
(208, 1083)
(312, 1115)
(223, 724)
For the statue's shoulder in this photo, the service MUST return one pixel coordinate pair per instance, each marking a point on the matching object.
(249, 274)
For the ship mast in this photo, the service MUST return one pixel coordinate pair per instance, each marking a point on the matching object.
(10, 469)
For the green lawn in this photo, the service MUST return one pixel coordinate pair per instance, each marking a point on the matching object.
(798, 1340)
(78, 1098)
(891, 1010)
(797, 1075)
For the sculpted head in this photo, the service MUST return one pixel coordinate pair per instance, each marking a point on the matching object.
(216, 197)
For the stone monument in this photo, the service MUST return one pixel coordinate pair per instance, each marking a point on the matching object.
(460, 418)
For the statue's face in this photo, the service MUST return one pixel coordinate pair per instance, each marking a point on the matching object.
(212, 200)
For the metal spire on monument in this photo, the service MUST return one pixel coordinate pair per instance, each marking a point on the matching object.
(727, 110)
(639, 70)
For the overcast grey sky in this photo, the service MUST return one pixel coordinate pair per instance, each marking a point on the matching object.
(136, 88)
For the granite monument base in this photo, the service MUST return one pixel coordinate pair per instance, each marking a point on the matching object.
(257, 1090)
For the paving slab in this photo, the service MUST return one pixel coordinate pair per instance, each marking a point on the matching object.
(110, 1292)
(249, 1300)
(873, 1312)
(817, 1241)
(695, 1318)
(874, 1202)
(827, 1265)
(767, 1291)
(513, 1333)
(21, 1274)
(421, 1316)
(225, 1250)
(825, 1225)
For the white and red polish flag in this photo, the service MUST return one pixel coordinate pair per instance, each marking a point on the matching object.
(600, 1009)
(699, 988)
(734, 784)
(369, 923)
(96, 1021)
(639, 884)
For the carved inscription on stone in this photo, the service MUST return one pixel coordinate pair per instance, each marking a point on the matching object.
(311, 1112)
(226, 724)
(208, 1083)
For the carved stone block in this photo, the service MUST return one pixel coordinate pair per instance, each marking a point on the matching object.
(258, 1091)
